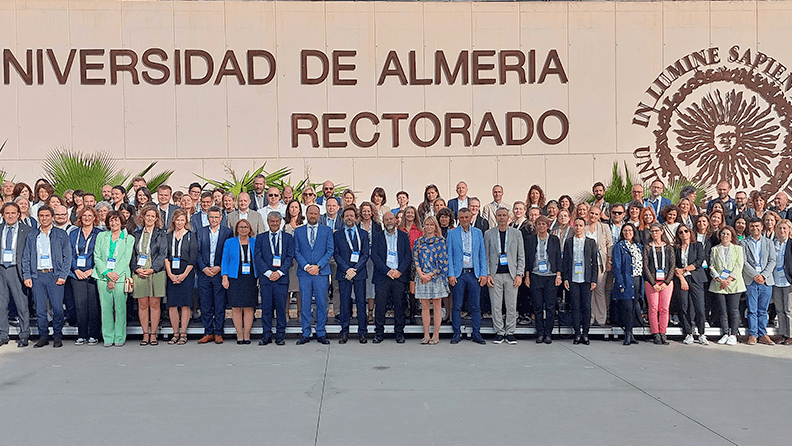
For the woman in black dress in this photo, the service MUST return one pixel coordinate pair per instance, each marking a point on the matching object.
(240, 279)
(179, 266)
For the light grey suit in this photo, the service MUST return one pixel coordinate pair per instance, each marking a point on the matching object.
(504, 291)
(257, 224)
(767, 262)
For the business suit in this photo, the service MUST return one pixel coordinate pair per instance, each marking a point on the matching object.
(273, 292)
(757, 296)
(167, 216)
(387, 288)
(44, 280)
(692, 300)
(213, 295)
(196, 221)
(453, 204)
(503, 292)
(580, 289)
(467, 277)
(599, 299)
(113, 302)
(257, 223)
(319, 254)
(254, 205)
(481, 223)
(488, 212)
(359, 242)
(11, 282)
(543, 286)
(335, 225)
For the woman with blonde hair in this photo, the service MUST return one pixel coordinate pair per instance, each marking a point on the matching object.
(430, 258)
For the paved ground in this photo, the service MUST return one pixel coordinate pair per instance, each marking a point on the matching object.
(391, 394)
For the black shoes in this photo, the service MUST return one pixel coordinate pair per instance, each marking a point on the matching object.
(585, 340)
(540, 339)
(57, 343)
(663, 339)
(498, 339)
(657, 339)
(548, 340)
(41, 343)
(362, 339)
(456, 339)
(343, 339)
(377, 339)
(263, 341)
(479, 340)
(576, 341)
(303, 340)
(323, 340)
(280, 342)
(400, 338)
(22, 343)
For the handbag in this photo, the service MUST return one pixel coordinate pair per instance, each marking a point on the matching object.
(129, 285)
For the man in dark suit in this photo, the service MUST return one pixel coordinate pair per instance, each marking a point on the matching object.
(351, 255)
(200, 219)
(258, 198)
(272, 258)
(13, 234)
(333, 220)
(543, 276)
(211, 240)
(461, 201)
(391, 255)
(46, 263)
(166, 208)
(313, 251)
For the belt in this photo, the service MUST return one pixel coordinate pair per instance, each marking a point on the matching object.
(467, 270)
(45, 271)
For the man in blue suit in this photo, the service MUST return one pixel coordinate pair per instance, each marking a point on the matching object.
(351, 255)
(655, 200)
(46, 263)
(200, 219)
(391, 256)
(273, 257)
(211, 240)
(333, 220)
(313, 251)
(467, 270)
(13, 234)
(461, 201)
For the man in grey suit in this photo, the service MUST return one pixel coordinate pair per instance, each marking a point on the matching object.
(253, 217)
(759, 262)
(12, 243)
(506, 264)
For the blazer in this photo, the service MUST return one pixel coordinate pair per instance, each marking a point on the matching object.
(767, 262)
(787, 261)
(623, 287)
(339, 222)
(657, 207)
(204, 249)
(257, 223)
(123, 255)
(74, 237)
(262, 257)
(379, 257)
(604, 245)
(22, 233)
(735, 265)
(515, 251)
(343, 255)
(60, 253)
(31, 222)
(553, 253)
(453, 204)
(231, 257)
(253, 204)
(189, 251)
(479, 255)
(589, 260)
(696, 258)
(481, 224)
(319, 255)
(488, 212)
(196, 222)
(167, 221)
(159, 250)
(649, 267)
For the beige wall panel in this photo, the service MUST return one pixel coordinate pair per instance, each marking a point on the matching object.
(299, 25)
(732, 23)
(350, 26)
(388, 177)
(543, 27)
(773, 19)
(685, 29)
(252, 109)
(569, 174)
(22, 171)
(417, 173)
(201, 116)
(400, 28)
(516, 174)
(9, 124)
(217, 169)
(639, 56)
(149, 110)
(447, 27)
(495, 26)
(480, 173)
(337, 170)
(97, 110)
(182, 175)
(272, 164)
(592, 98)
(44, 110)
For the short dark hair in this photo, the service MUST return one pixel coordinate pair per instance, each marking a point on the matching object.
(753, 220)
(333, 198)
(207, 194)
(46, 209)
(598, 183)
(10, 204)
(214, 209)
(192, 185)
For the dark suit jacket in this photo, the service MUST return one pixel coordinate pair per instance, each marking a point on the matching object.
(339, 222)
(159, 250)
(22, 232)
(379, 256)
(196, 222)
(696, 257)
(343, 254)
(482, 224)
(60, 254)
(204, 249)
(262, 257)
(189, 252)
(166, 222)
(553, 253)
(589, 260)
(253, 204)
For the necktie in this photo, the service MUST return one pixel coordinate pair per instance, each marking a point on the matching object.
(8, 244)
(351, 236)
(274, 243)
(313, 236)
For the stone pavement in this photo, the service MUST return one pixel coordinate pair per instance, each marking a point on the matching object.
(389, 394)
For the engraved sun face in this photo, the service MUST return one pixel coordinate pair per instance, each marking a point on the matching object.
(725, 137)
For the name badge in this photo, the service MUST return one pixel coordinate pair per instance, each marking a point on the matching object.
(45, 262)
(758, 266)
(276, 261)
(660, 275)
(466, 257)
(8, 255)
(110, 263)
(81, 261)
(355, 256)
(503, 259)
(704, 264)
(578, 267)
(391, 256)
(142, 260)
(543, 266)
(725, 274)
(246, 268)
(175, 263)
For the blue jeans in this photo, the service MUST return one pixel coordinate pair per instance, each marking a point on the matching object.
(345, 288)
(757, 298)
(467, 281)
(213, 303)
(44, 288)
(313, 287)
(273, 294)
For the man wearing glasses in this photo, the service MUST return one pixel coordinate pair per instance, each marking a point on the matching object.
(211, 240)
(328, 189)
(273, 205)
(201, 219)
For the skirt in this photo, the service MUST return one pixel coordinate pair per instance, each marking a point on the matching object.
(180, 295)
(243, 292)
(153, 285)
(434, 289)
(294, 283)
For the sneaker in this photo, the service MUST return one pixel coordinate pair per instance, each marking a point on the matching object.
(688, 339)
(511, 340)
(108, 344)
(498, 339)
(93, 341)
(79, 341)
(732, 340)
(703, 340)
(723, 339)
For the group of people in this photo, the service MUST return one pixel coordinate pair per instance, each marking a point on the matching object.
(532, 262)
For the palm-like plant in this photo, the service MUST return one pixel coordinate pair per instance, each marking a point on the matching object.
(617, 190)
(245, 183)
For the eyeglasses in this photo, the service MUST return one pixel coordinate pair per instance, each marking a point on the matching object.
(273, 195)
(617, 212)
(683, 231)
(309, 194)
(328, 188)
(60, 215)
(655, 231)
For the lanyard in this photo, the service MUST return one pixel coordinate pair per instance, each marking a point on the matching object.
(277, 243)
(541, 248)
(174, 252)
(505, 241)
(148, 244)
(244, 254)
(725, 254)
(349, 241)
(87, 242)
(660, 265)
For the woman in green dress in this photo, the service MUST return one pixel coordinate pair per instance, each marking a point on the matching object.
(148, 263)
